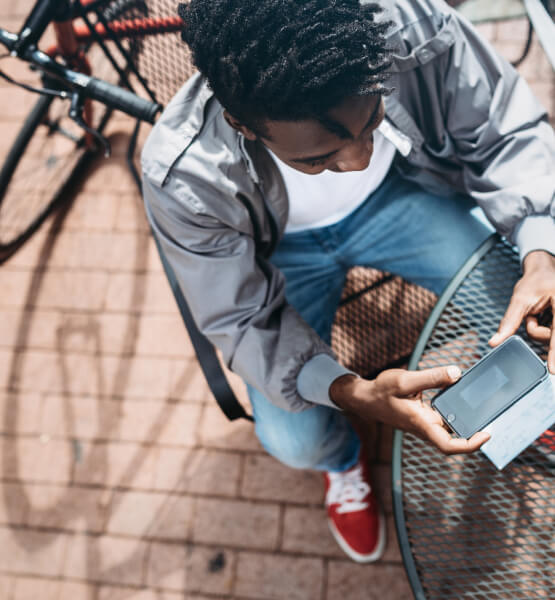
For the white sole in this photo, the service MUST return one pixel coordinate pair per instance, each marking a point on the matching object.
(361, 558)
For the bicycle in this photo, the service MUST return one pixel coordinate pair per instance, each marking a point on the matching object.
(77, 96)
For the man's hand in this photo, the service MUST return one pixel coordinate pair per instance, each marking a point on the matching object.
(394, 397)
(534, 292)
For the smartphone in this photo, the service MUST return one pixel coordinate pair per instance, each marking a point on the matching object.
(488, 388)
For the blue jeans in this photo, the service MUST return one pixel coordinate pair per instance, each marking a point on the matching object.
(400, 228)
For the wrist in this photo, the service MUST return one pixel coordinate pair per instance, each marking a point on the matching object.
(538, 259)
(349, 392)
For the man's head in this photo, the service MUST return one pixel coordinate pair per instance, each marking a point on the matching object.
(306, 76)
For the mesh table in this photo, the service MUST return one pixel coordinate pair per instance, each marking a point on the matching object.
(465, 529)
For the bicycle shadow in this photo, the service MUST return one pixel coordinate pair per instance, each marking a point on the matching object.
(94, 458)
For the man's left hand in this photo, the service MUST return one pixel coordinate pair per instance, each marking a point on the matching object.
(533, 293)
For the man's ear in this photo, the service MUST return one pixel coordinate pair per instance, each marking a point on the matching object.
(233, 122)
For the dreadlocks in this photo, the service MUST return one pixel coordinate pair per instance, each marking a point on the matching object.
(286, 59)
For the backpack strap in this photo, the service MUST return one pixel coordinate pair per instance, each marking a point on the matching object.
(209, 363)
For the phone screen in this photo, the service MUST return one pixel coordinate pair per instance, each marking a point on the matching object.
(490, 386)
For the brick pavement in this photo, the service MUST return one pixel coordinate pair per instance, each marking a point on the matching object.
(120, 477)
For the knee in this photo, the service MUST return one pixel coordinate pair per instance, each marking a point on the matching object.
(299, 448)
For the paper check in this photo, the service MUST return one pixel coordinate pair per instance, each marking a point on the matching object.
(521, 424)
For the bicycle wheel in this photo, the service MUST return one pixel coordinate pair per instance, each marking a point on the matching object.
(43, 160)
(50, 151)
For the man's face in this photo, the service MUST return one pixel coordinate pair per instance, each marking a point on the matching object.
(312, 148)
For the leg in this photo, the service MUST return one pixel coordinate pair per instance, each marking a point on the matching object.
(320, 437)
(420, 236)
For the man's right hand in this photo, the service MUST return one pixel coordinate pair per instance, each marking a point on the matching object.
(395, 398)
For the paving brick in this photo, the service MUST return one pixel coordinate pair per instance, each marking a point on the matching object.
(164, 335)
(115, 464)
(79, 417)
(191, 569)
(32, 552)
(217, 432)
(9, 457)
(240, 524)
(109, 175)
(13, 505)
(197, 471)
(73, 590)
(127, 593)
(265, 478)
(16, 103)
(10, 327)
(513, 29)
(488, 31)
(137, 377)
(62, 372)
(166, 566)
(130, 214)
(15, 286)
(381, 481)
(92, 212)
(366, 582)
(112, 251)
(6, 587)
(152, 515)
(71, 330)
(20, 412)
(18, 9)
(209, 570)
(305, 530)
(7, 363)
(392, 552)
(276, 577)
(187, 382)
(31, 588)
(53, 289)
(65, 507)
(106, 559)
(88, 374)
(163, 422)
(148, 292)
(44, 460)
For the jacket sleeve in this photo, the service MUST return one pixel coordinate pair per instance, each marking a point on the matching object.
(503, 138)
(238, 302)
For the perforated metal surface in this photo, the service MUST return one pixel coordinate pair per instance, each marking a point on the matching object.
(378, 321)
(164, 59)
(467, 530)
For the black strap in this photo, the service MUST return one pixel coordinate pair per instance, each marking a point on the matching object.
(206, 354)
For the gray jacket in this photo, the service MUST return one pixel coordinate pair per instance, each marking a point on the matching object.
(461, 118)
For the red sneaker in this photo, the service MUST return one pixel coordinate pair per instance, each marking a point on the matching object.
(354, 515)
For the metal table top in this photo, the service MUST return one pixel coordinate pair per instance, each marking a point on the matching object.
(465, 529)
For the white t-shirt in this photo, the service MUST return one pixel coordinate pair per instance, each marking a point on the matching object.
(323, 199)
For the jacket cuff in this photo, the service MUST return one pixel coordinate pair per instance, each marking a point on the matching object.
(316, 376)
(535, 232)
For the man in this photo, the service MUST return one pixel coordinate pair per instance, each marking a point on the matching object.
(324, 134)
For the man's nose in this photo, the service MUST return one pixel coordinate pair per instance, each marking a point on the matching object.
(355, 156)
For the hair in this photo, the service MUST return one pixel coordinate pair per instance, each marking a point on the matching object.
(286, 60)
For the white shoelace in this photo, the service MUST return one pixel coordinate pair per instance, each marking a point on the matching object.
(348, 489)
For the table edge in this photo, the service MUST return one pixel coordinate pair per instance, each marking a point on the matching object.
(396, 475)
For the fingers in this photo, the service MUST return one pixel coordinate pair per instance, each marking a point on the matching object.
(448, 445)
(413, 382)
(537, 331)
(515, 313)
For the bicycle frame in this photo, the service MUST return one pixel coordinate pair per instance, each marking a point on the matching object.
(71, 37)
